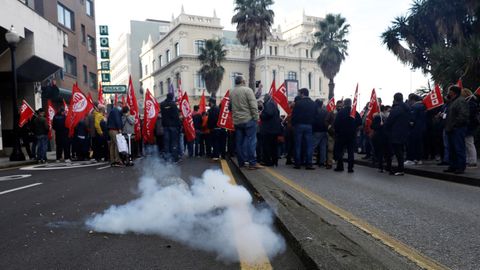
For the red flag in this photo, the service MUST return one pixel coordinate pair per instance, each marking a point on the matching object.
(90, 99)
(100, 94)
(80, 106)
(50, 114)
(203, 103)
(280, 96)
(187, 118)
(272, 88)
(477, 92)
(123, 100)
(26, 113)
(353, 112)
(434, 99)
(373, 108)
(132, 103)
(115, 101)
(460, 84)
(180, 91)
(225, 119)
(331, 105)
(150, 113)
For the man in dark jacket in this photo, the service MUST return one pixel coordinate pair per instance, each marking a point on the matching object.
(171, 127)
(270, 129)
(61, 135)
(418, 122)
(215, 132)
(320, 137)
(456, 129)
(345, 131)
(114, 125)
(396, 127)
(41, 132)
(197, 124)
(302, 121)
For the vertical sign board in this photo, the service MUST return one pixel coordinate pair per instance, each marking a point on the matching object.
(104, 54)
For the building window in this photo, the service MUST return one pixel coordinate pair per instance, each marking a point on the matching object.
(65, 39)
(276, 50)
(292, 75)
(306, 53)
(177, 49)
(91, 44)
(70, 64)
(161, 88)
(153, 65)
(177, 79)
(274, 74)
(84, 35)
(199, 44)
(199, 82)
(93, 80)
(271, 50)
(85, 74)
(89, 7)
(65, 17)
(160, 61)
(320, 84)
(168, 56)
(310, 80)
(146, 70)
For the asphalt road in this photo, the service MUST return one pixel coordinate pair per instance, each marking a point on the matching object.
(42, 226)
(440, 219)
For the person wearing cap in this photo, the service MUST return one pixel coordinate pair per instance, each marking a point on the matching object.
(245, 116)
(456, 128)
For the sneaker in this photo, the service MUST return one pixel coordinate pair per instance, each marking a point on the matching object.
(68, 160)
(215, 159)
(399, 174)
(57, 161)
(409, 163)
(418, 162)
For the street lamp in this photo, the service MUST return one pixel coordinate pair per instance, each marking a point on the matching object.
(12, 39)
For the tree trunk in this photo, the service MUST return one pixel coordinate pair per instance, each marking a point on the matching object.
(251, 70)
(331, 87)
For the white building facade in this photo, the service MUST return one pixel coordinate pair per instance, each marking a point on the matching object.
(286, 55)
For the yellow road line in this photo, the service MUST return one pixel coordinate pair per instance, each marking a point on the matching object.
(401, 248)
(265, 262)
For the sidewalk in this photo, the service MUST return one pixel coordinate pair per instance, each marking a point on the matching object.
(430, 169)
(5, 162)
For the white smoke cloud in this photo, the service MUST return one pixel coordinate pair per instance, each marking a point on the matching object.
(211, 215)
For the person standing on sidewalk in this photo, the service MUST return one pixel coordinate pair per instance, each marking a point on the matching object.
(418, 122)
(41, 132)
(171, 128)
(215, 131)
(114, 125)
(320, 137)
(270, 129)
(473, 123)
(396, 127)
(456, 129)
(346, 128)
(245, 116)
(302, 121)
(61, 136)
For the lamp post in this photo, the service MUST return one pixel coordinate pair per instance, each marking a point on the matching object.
(12, 39)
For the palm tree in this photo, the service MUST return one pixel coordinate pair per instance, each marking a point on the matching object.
(330, 40)
(254, 19)
(211, 58)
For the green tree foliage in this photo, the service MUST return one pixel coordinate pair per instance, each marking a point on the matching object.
(330, 40)
(254, 19)
(441, 38)
(211, 58)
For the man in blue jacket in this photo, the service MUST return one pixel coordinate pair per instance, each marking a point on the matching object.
(396, 126)
(345, 132)
(114, 125)
(302, 121)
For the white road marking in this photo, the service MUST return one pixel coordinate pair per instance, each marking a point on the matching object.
(19, 188)
(14, 177)
(102, 168)
(60, 166)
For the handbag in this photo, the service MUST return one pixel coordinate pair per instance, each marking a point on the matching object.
(122, 144)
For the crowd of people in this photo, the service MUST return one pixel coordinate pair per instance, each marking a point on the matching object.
(309, 136)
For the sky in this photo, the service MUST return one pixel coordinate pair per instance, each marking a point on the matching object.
(369, 63)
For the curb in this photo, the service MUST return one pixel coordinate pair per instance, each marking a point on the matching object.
(461, 179)
(17, 164)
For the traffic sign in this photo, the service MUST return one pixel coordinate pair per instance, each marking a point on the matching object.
(114, 89)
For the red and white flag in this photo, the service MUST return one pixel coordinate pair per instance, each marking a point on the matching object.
(434, 99)
(123, 101)
(180, 91)
(331, 105)
(353, 112)
(477, 92)
(66, 108)
(225, 119)
(373, 108)
(186, 112)
(26, 113)
(90, 99)
(272, 88)
(80, 106)
(100, 95)
(150, 113)
(460, 84)
(203, 104)
(133, 105)
(50, 114)
(280, 96)
(115, 100)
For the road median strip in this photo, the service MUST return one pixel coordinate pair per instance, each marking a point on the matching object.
(19, 188)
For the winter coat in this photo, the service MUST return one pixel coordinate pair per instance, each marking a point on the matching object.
(98, 118)
(213, 114)
(158, 126)
(243, 104)
(58, 124)
(345, 125)
(170, 114)
(319, 120)
(473, 116)
(457, 114)
(397, 124)
(128, 124)
(197, 120)
(418, 119)
(303, 112)
(114, 119)
(40, 126)
(270, 116)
